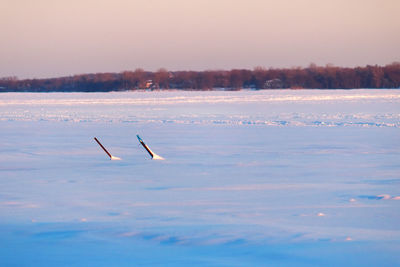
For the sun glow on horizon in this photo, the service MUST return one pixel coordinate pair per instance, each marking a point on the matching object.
(47, 38)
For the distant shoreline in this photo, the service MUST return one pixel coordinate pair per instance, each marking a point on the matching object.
(191, 90)
(312, 77)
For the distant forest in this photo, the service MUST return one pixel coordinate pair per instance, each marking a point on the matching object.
(311, 77)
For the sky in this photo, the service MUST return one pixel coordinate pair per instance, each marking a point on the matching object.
(51, 38)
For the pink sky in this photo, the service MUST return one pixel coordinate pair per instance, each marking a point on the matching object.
(48, 38)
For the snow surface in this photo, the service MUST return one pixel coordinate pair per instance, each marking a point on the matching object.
(251, 178)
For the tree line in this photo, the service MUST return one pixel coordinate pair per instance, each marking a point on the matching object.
(311, 77)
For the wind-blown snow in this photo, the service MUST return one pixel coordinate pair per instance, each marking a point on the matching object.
(250, 178)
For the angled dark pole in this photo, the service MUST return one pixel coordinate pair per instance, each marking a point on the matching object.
(105, 150)
(152, 154)
(145, 147)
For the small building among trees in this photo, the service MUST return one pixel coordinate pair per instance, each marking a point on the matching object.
(273, 84)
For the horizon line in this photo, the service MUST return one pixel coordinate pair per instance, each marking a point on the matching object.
(310, 65)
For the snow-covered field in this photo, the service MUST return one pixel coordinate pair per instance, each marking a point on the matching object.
(251, 178)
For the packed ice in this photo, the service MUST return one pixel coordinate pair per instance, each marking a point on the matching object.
(250, 178)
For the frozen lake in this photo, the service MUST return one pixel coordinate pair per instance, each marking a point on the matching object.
(251, 178)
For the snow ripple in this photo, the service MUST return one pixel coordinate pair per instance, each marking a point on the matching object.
(177, 97)
(316, 108)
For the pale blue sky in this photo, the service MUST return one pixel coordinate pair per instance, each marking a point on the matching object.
(48, 38)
